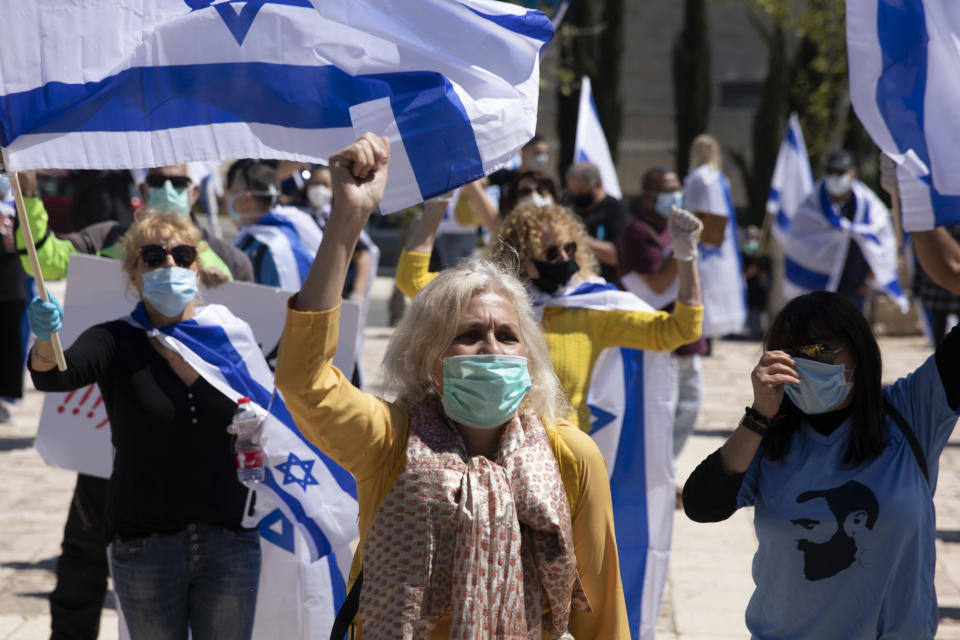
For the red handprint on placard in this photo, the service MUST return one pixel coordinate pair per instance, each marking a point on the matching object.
(91, 411)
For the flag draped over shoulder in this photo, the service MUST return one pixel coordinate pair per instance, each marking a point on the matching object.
(293, 238)
(904, 64)
(313, 492)
(109, 84)
(816, 247)
(590, 144)
(792, 179)
(630, 401)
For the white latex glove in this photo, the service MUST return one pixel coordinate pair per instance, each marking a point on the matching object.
(685, 230)
(888, 174)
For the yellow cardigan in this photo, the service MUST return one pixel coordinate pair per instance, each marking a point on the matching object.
(576, 337)
(368, 436)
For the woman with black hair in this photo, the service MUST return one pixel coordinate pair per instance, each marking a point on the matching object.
(841, 473)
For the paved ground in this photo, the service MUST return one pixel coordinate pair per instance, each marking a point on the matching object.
(709, 580)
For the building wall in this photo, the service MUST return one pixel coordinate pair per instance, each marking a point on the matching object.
(738, 55)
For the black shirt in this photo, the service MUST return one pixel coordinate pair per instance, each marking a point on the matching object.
(855, 269)
(606, 221)
(173, 461)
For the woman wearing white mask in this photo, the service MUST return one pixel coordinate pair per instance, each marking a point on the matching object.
(482, 512)
(841, 473)
(180, 557)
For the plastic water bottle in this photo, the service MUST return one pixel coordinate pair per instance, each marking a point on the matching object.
(247, 425)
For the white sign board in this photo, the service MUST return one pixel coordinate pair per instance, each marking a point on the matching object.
(74, 432)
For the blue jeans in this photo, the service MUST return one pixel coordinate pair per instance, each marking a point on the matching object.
(203, 578)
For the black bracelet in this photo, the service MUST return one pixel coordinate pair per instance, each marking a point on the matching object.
(756, 416)
(757, 427)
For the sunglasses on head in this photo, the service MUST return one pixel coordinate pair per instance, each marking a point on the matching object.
(156, 181)
(818, 352)
(553, 253)
(154, 255)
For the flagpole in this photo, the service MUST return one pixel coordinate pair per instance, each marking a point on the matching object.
(35, 264)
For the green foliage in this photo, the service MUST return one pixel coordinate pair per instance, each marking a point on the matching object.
(691, 79)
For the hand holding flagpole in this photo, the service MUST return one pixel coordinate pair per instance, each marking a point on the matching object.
(35, 263)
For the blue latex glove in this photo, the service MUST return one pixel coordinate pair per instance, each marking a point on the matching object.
(45, 318)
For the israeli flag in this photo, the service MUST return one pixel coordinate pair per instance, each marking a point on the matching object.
(819, 239)
(309, 489)
(631, 406)
(792, 179)
(121, 84)
(904, 63)
(292, 237)
(591, 145)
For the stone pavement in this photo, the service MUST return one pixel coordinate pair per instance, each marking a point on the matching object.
(709, 578)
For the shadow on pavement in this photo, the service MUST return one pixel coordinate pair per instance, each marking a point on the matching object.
(50, 564)
(10, 444)
(948, 535)
(713, 433)
(950, 613)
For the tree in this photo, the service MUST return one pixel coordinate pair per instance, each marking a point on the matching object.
(691, 79)
(606, 83)
(576, 41)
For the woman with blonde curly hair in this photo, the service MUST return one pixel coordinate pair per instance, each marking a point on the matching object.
(483, 513)
(549, 244)
(180, 558)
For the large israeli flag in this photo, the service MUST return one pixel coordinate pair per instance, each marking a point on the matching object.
(591, 145)
(904, 65)
(792, 179)
(131, 83)
(631, 407)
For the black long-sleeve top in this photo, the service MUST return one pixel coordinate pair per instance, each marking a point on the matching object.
(710, 493)
(173, 462)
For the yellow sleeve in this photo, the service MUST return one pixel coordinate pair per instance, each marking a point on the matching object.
(595, 544)
(651, 330)
(354, 428)
(413, 272)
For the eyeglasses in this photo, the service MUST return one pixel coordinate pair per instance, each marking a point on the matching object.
(835, 172)
(818, 352)
(156, 181)
(154, 255)
(553, 253)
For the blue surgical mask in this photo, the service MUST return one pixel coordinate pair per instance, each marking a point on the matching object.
(168, 198)
(666, 199)
(4, 185)
(484, 391)
(231, 210)
(169, 289)
(823, 387)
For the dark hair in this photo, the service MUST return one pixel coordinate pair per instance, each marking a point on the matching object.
(819, 316)
(646, 180)
(259, 176)
(534, 140)
(544, 184)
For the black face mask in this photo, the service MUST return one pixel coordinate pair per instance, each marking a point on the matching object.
(554, 275)
(582, 201)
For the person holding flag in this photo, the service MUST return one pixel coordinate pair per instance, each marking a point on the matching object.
(180, 555)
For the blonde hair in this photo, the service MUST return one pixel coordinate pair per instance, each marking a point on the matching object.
(154, 226)
(520, 236)
(429, 327)
(705, 150)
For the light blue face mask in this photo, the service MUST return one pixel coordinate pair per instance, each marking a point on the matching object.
(822, 386)
(484, 391)
(4, 185)
(666, 199)
(169, 198)
(169, 289)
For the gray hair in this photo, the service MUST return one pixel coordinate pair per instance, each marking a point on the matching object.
(429, 327)
(585, 170)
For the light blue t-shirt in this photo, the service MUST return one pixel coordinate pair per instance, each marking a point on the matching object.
(848, 552)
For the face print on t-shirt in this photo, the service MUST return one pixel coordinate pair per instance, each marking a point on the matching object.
(830, 546)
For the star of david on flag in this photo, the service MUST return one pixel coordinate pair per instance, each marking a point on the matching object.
(305, 466)
(451, 83)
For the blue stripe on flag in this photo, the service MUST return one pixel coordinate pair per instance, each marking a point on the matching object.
(303, 257)
(592, 287)
(336, 582)
(532, 24)
(803, 277)
(430, 116)
(308, 524)
(902, 85)
(791, 138)
(628, 488)
(826, 205)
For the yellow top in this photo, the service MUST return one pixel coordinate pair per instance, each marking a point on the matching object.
(367, 436)
(576, 337)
